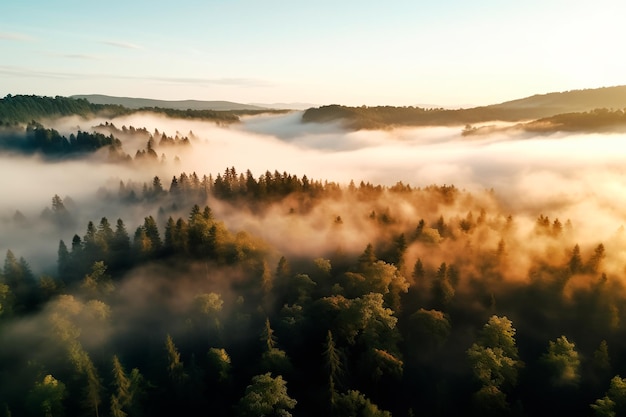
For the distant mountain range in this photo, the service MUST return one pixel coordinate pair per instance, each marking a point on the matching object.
(285, 106)
(138, 103)
(545, 105)
(525, 109)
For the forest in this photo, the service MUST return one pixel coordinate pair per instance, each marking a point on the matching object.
(230, 292)
(591, 110)
(23, 109)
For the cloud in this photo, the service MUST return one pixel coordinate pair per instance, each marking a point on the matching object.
(15, 36)
(33, 73)
(80, 56)
(119, 44)
(241, 82)
(569, 177)
(193, 81)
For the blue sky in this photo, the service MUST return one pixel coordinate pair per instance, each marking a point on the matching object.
(348, 52)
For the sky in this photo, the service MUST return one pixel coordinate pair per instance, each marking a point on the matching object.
(402, 52)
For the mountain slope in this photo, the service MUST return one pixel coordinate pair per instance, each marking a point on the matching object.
(137, 103)
(572, 101)
(529, 108)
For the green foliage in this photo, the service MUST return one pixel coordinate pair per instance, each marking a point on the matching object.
(430, 328)
(175, 368)
(266, 396)
(494, 362)
(578, 110)
(499, 332)
(614, 402)
(98, 284)
(46, 398)
(491, 366)
(355, 404)
(219, 364)
(563, 362)
(348, 321)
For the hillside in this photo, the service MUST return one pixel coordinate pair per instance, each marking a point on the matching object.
(23, 109)
(138, 103)
(570, 101)
(529, 108)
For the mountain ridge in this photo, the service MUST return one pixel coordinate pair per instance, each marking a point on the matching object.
(138, 103)
(524, 109)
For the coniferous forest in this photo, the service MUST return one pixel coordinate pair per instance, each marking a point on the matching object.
(228, 292)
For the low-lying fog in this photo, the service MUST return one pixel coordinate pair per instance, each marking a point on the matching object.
(580, 177)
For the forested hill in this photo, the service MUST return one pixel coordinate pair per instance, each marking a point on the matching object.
(537, 106)
(26, 108)
(22, 108)
(138, 103)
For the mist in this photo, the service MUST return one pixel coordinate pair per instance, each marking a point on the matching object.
(473, 204)
(569, 175)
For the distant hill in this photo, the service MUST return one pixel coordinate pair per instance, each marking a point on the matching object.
(23, 109)
(138, 103)
(285, 106)
(529, 108)
(546, 105)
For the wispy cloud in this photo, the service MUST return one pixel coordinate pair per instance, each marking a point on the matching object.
(80, 56)
(34, 73)
(241, 82)
(28, 72)
(15, 36)
(118, 44)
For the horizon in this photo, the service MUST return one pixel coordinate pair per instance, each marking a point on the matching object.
(301, 103)
(450, 54)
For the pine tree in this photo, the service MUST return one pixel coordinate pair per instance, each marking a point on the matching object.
(333, 364)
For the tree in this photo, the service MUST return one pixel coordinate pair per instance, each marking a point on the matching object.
(614, 401)
(18, 276)
(494, 361)
(418, 271)
(169, 245)
(60, 215)
(127, 390)
(219, 364)
(152, 232)
(563, 362)
(594, 262)
(46, 398)
(6, 301)
(333, 364)
(575, 261)
(98, 283)
(355, 404)
(104, 236)
(175, 367)
(368, 257)
(273, 358)
(142, 246)
(266, 396)
(283, 271)
(63, 261)
(601, 358)
(91, 250)
(366, 321)
(209, 305)
(120, 247)
(13, 274)
(429, 328)
(157, 187)
(443, 291)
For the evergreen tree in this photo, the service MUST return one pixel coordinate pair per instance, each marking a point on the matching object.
(333, 364)
(266, 396)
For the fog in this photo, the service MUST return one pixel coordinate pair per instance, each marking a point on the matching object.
(578, 177)
(504, 181)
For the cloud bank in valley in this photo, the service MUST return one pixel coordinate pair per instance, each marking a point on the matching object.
(575, 176)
